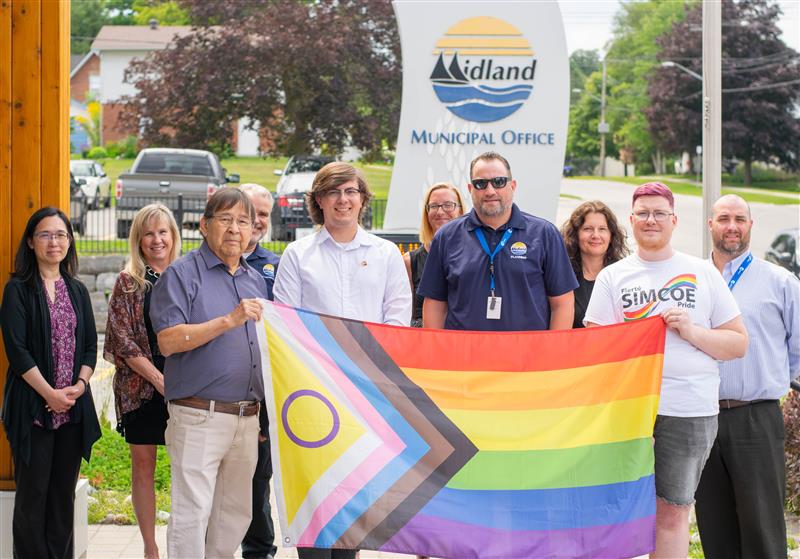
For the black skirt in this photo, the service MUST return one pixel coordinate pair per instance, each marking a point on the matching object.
(147, 424)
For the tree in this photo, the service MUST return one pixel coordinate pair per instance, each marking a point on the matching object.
(760, 84)
(318, 76)
(88, 16)
(164, 12)
(91, 125)
(582, 63)
(583, 139)
(86, 19)
(631, 60)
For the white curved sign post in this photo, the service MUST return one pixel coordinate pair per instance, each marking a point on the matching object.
(477, 77)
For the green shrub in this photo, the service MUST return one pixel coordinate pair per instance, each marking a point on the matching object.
(124, 149)
(97, 152)
(791, 417)
(110, 466)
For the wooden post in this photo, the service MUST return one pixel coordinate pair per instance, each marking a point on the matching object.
(34, 133)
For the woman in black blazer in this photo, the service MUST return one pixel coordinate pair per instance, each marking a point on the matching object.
(48, 412)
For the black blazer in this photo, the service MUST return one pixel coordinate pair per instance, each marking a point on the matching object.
(25, 321)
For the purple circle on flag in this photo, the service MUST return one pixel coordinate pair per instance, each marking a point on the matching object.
(285, 418)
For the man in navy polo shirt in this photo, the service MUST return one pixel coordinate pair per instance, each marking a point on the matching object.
(260, 259)
(497, 268)
(259, 541)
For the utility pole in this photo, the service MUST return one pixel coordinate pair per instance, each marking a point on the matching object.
(602, 127)
(712, 112)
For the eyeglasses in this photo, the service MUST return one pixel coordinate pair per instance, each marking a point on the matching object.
(447, 206)
(658, 215)
(496, 182)
(228, 220)
(336, 193)
(47, 236)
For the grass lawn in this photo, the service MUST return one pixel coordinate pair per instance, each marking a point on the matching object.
(109, 472)
(679, 187)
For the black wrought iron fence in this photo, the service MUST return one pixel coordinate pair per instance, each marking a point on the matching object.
(105, 230)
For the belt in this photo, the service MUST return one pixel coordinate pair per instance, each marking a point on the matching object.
(730, 404)
(242, 409)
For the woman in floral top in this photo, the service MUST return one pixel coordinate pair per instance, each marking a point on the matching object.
(132, 346)
(48, 412)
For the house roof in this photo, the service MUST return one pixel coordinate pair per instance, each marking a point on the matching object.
(75, 65)
(137, 37)
(74, 59)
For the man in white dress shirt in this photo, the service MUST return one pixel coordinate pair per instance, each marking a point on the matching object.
(742, 490)
(342, 270)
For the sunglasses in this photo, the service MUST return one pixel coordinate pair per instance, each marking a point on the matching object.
(496, 182)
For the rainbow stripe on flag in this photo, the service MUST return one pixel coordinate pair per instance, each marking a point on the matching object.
(463, 444)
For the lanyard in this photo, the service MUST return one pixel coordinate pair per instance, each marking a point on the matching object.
(491, 255)
(740, 271)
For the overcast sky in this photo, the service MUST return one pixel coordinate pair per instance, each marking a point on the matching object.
(588, 23)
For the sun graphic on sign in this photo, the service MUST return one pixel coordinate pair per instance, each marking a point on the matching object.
(487, 53)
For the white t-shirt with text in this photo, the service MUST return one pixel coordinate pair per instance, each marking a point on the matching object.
(632, 289)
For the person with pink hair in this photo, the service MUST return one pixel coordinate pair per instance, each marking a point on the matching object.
(704, 326)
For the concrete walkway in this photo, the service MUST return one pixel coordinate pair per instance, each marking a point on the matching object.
(124, 542)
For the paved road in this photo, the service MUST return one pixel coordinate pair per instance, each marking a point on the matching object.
(768, 219)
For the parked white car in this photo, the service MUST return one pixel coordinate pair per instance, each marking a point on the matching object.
(97, 185)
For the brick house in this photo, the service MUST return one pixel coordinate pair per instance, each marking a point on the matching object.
(112, 50)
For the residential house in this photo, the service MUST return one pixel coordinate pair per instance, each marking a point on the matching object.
(115, 47)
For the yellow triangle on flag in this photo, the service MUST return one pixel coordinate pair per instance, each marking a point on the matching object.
(309, 419)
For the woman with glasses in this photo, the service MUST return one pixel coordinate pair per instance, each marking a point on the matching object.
(48, 412)
(443, 204)
(594, 239)
(132, 346)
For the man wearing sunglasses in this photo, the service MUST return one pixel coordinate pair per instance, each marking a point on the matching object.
(704, 326)
(497, 268)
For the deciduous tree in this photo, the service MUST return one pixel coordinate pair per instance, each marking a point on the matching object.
(318, 75)
(760, 83)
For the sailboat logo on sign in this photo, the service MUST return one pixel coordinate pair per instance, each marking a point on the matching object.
(485, 53)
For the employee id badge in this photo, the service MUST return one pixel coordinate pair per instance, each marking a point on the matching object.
(493, 307)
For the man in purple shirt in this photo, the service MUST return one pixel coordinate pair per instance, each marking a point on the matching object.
(203, 310)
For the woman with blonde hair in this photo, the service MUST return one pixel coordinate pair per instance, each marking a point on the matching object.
(132, 346)
(443, 203)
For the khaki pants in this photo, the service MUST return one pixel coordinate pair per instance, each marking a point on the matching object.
(213, 456)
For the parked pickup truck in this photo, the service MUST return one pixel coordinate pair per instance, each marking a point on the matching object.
(181, 179)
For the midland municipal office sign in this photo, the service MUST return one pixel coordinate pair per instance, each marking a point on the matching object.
(480, 76)
(480, 87)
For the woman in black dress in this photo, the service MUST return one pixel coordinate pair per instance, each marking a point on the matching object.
(594, 239)
(132, 346)
(443, 204)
